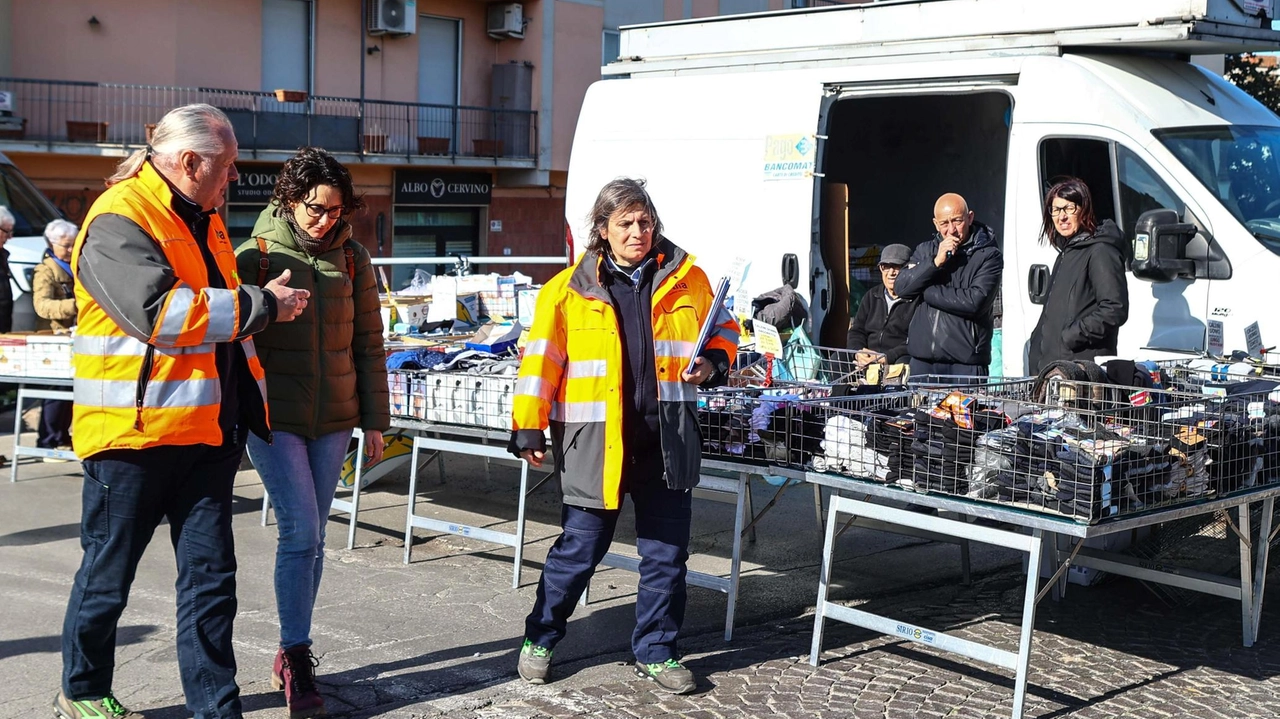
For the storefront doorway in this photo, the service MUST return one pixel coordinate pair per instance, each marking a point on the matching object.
(436, 214)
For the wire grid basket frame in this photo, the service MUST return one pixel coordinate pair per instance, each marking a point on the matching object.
(457, 398)
(801, 364)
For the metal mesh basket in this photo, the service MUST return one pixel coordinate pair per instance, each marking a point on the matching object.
(456, 398)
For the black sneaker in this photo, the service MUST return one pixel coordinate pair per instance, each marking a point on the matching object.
(535, 663)
(105, 708)
(670, 675)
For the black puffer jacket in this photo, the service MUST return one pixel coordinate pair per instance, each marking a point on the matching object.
(953, 322)
(1088, 300)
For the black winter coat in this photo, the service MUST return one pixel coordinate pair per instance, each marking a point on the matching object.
(1088, 300)
(876, 327)
(953, 323)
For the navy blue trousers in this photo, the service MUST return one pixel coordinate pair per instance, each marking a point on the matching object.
(662, 537)
(126, 495)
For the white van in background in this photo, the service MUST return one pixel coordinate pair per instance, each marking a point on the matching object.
(795, 139)
(32, 211)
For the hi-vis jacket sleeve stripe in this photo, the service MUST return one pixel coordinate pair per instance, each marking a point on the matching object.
(128, 275)
(542, 368)
(726, 334)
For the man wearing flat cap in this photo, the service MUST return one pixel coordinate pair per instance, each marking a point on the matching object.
(878, 331)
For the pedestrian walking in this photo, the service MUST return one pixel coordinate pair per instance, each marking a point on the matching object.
(167, 386)
(1088, 300)
(326, 375)
(607, 369)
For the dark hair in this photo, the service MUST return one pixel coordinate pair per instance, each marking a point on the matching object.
(622, 194)
(309, 169)
(1071, 189)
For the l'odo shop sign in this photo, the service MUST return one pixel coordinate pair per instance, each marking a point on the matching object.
(256, 184)
(426, 187)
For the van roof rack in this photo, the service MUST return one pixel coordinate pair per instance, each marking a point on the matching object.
(954, 28)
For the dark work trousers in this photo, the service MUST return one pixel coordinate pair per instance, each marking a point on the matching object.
(662, 538)
(126, 494)
(55, 424)
(946, 371)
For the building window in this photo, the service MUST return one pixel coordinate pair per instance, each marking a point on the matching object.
(611, 46)
(286, 45)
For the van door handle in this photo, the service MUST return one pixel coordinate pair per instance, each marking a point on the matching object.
(1038, 284)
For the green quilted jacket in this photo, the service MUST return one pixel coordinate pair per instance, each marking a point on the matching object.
(326, 370)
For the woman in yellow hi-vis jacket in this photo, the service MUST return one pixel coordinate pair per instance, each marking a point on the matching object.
(607, 369)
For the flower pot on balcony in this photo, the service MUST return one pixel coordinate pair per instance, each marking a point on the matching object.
(13, 128)
(80, 131)
(433, 145)
(291, 96)
(488, 148)
(150, 128)
(375, 143)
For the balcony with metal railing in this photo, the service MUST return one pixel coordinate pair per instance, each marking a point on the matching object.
(113, 119)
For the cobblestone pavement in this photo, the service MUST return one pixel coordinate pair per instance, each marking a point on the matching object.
(1109, 651)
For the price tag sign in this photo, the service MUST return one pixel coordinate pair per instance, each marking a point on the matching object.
(767, 339)
(444, 300)
(1215, 338)
(1253, 340)
(738, 281)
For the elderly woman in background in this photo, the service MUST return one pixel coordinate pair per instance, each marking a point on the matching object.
(7, 224)
(53, 297)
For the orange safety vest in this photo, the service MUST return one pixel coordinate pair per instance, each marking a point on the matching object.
(571, 374)
(133, 392)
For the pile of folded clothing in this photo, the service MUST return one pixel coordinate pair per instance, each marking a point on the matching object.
(845, 450)
(944, 439)
(769, 427)
(890, 432)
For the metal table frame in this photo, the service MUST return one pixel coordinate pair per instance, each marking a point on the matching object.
(351, 506)
(24, 393)
(1045, 531)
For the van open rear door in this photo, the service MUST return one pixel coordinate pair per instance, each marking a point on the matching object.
(728, 158)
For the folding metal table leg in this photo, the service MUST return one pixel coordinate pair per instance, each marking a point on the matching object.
(524, 491)
(735, 560)
(1262, 559)
(17, 434)
(1028, 624)
(266, 505)
(413, 491)
(1246, 574)
(355, 492)
(824, 579)
(751, 512)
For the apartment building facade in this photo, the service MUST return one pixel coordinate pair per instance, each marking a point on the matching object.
(456, 117)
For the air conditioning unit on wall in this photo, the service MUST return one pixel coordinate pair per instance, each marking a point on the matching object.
(506, 19)
(392, 17)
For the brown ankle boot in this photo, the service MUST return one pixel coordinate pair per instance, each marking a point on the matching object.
(294, 671)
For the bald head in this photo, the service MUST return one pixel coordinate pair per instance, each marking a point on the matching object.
(951, 217)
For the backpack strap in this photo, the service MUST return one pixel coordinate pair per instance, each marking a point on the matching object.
(351, 262)
(264, 262)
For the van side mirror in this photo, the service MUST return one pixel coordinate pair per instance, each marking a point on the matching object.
(1038, 284)
(791, 270)
(1160, 247)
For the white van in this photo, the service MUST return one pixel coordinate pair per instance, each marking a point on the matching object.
(31, 211)
(753, 130)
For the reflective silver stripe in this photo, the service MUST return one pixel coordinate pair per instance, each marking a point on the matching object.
(546, 349)
(677, 392)
(222, 315)
(262, 387)
(175, 315)
(672, 348)
(126, 346)
(165, 395)
(586, 368)
(533, 387)
(250, 349)
(578, 411)
(723, 316)
(726, 334)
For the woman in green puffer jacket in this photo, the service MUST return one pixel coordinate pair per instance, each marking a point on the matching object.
(326, 374)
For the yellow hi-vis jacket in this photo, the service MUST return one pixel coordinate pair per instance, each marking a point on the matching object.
(571, 374)
(143, 386)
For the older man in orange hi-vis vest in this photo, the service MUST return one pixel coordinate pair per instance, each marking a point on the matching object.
(167, 384)
(607, 369)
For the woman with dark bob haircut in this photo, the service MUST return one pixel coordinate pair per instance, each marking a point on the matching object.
(1088, 292)
(326, 375)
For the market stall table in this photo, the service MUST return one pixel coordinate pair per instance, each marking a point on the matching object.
(25, 392)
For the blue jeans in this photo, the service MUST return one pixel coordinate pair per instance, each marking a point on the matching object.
(126, 495)
(300, 475)
(662, 537)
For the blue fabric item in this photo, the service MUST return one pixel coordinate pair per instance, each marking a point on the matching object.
(66, 266)
(300, 476)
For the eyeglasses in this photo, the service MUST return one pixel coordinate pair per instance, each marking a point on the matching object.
(891, 268)
(318, 211)
(1064, 210)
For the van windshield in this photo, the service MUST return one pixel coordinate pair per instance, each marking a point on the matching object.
(1240, 165)
(31, 210)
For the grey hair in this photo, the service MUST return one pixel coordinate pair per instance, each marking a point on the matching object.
(60, 229)
(622, 194)
(6, 217)
(199, 128)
